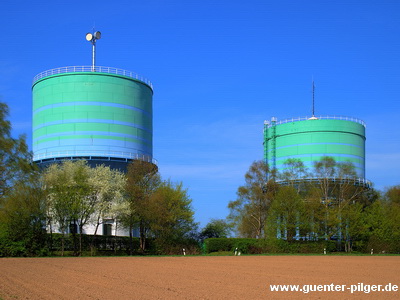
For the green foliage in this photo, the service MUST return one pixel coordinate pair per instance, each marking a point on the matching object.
(287, 212)
(383, 224)
(357, 219)
(260, 246)
(15, 159)
(170, 216)
(69, 192)
(392, 195)
(107, 192)
(216, 228)
(70, 195)
(294, 169)
(330, 206)
(22, 220)
(325, 168)
(218, 244)
(244, 245)
(22, 206)
(80, 194)
(14, 249)
(249, 211)
(143, 180)
(102, 244)
(22, 216)
(161, 209)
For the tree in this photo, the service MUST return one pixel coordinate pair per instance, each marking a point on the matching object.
(294, 172)
(383, 223)
(348, 206)
(108, 189)
(81, 195)
(249, 211)
(142, 181)
(170, 216)
(317, 215)
(339, 189)
(107, 192)
(352, 225)
(392, 194)
(216, 228)
(383, 220)
(20, 202)
(71, 197)
(324, 171)
(287, 212)
(23, 218)
(15, 159)
(58, 200)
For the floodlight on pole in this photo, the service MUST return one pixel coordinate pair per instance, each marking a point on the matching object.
(93, 37)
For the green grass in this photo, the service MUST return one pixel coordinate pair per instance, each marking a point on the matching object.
(228, 253)
(219, 253)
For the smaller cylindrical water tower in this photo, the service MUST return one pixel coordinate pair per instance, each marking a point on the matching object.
(100, 114)
(310, 139)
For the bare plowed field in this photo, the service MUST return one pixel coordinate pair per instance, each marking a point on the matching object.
(231, 277)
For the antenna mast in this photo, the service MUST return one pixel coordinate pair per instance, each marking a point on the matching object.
(313, 100)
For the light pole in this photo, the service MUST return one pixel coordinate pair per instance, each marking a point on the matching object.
(93, 37)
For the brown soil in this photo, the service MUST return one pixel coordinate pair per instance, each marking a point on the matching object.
(230, 277)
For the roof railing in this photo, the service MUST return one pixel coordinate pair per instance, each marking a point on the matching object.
(96, 69)
(94, 154)
(274, 122)
(352, 180)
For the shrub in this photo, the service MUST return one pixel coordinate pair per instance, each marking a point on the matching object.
(9, 248)
(259, 246)
(230, 244)
(218, 244)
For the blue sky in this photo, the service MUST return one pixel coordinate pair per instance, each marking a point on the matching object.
(219, 69)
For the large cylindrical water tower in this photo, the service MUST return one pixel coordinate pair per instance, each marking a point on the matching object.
(100, 114)
(310, 139)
